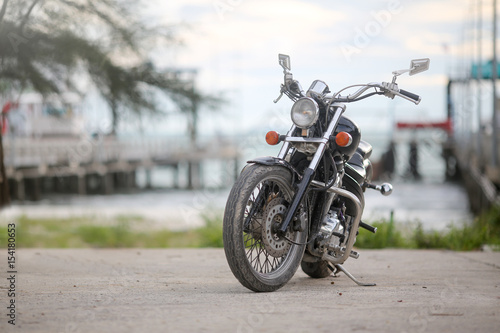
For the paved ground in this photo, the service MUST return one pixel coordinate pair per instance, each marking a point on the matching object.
(136, 290)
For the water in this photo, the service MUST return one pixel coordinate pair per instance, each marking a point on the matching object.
(434, 204)
(431, 201)
(171, 209)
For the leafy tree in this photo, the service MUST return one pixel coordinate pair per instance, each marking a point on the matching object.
(51, 46)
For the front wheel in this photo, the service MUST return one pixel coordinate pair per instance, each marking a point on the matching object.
(257, 204)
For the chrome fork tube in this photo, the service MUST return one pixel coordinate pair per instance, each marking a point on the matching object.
(286, 146)
(326, 136)
(309, 172)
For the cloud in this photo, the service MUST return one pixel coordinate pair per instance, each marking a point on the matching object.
(235, 43)
(440, 12)
(257, 27)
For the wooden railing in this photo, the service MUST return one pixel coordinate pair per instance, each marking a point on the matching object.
(29, 153)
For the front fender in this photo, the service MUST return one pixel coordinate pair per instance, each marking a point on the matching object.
(270, 160)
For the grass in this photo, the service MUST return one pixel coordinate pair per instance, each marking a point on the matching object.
(485, 230)
(387, 236)
(120, 232)
(123, 232)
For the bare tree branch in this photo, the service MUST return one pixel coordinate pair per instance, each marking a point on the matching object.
(3, 10)
(27, 15)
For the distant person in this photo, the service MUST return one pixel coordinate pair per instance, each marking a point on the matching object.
(389, 161)
(413, 160)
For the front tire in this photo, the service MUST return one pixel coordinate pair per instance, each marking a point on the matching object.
(257, 203)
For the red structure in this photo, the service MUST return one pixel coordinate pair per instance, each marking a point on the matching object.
(3, 115)
(444, 125)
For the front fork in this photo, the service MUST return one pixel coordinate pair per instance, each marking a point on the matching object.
(311, 169)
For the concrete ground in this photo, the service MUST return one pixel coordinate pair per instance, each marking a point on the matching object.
(138, 290)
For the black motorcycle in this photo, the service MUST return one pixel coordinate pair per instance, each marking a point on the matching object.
(304, 206)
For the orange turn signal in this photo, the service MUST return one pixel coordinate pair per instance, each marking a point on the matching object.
(343, 139)
(272, 138)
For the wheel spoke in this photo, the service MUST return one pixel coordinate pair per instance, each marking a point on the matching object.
(256, 253)
(257, 206)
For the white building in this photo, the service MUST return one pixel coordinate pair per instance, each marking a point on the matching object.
(34, 116)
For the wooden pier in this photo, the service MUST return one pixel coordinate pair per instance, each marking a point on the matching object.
(480, 175)
(105, 164)
(473, 146)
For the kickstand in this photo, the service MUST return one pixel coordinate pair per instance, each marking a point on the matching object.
(359, 283)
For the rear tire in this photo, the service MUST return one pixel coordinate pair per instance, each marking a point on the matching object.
(258, 201)
(316, 270)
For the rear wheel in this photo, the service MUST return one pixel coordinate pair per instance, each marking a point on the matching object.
(317, 270)
(257, 205)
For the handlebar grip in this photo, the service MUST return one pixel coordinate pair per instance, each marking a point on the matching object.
(408, 94)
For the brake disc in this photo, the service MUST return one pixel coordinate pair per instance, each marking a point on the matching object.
(275, 215)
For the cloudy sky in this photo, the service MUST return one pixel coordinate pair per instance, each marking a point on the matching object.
(235, 44)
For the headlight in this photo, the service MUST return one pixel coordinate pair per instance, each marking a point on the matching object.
(305, 112)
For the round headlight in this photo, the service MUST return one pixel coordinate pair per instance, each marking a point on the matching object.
(305, 112)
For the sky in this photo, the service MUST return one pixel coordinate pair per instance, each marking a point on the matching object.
(234, 45)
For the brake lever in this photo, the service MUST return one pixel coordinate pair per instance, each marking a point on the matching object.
(279, 97)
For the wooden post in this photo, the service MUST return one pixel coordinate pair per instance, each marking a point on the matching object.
(36, 189)
(20, 192)
(190, 176)
(194, 175)
(107, 183)
(148, 178)
(176, 176)
(82, 186)
(131, 180)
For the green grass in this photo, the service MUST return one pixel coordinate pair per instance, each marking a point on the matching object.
(484, 230)
(387, 235)
(120, 232)
(132, 231)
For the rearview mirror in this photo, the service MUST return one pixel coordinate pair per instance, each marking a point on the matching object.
(284, 61)
(416, 66)
(419, 65)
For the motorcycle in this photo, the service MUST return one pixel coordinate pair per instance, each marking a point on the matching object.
(304, 206)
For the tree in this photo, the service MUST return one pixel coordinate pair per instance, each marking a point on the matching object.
(4, 185)
(50, 46)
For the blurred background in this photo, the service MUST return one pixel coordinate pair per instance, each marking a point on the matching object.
(147, 110)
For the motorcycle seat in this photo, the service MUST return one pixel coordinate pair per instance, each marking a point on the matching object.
(364, 149)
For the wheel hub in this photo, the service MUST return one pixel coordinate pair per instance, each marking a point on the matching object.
(273, 217)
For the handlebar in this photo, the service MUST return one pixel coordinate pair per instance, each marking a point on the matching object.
(408, 94)
(388, 89)
(294, 91)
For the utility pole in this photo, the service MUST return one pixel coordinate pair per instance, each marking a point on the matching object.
(479, 75)
(494, 75)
